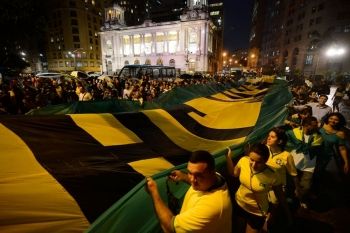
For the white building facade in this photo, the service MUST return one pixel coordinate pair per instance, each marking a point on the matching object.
(186, 44)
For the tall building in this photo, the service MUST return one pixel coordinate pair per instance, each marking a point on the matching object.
(312, 36)
(186, 43)
(73, 41)
(23, 35)
(216, 13)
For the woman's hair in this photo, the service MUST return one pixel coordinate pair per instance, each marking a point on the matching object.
(281, 136)
(260, 149)
(342, 121)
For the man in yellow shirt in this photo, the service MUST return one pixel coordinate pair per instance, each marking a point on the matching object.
(207, 206)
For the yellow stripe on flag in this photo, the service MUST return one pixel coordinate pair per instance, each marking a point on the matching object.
(182, 137)
(223, 115)
(106, 129)
(30, 198)
(149, 167)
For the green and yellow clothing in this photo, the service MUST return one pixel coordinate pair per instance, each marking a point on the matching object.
(282, 163)
(252, 194)
(205, 211)
(304, 148)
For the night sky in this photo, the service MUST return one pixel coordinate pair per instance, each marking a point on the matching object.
(237, 23)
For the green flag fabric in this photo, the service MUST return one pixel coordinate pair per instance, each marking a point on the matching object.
(86, 172)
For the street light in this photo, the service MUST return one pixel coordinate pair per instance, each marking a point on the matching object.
(333, 53)
(224, 54)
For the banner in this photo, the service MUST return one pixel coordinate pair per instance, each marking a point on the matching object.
(59, 173)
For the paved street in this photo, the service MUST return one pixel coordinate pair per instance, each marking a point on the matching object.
(329, 212)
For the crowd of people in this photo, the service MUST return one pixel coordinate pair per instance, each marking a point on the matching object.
(301, 153)
(24, 93)
(291, 164)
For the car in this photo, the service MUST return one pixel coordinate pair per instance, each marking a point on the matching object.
(52, 75)
(93, 74)
(79, 74)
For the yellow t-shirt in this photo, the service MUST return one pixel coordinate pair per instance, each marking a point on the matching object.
(205, 212)
(282, 163)
(261, 183)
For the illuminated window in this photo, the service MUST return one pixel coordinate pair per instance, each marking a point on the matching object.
(308, 60)
(215, 13)
(172, 41)
(137, 44)
(93, 2)
(109, 44)
(160, 42)
(148, 43)
(148, 62)
(193, 41)
(210, 42)
(126, 45)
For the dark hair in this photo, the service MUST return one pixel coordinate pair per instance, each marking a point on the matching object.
(342, 121)
(308, 120)
(260, 149)
(307, 110)
(281, 136)
(201, 156)
(323, 95)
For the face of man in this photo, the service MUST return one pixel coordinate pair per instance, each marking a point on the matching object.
(322, 100)
(312, 128)
(200, 177)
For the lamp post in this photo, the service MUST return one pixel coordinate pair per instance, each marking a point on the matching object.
(224, 54)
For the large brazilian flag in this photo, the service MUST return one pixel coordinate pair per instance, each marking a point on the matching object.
(85, 172)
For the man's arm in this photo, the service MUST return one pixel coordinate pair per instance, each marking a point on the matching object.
(164, 214)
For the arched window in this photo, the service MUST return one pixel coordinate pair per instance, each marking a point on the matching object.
(172, 62)
(148, 62)
(159, 61)
(126, 62)
(137, 62)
